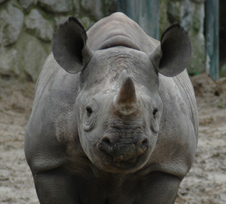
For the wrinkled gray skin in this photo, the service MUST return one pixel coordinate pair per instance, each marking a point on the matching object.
(114, 120)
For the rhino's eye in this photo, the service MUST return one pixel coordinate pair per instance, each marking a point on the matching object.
(89, 111)
(155, 111)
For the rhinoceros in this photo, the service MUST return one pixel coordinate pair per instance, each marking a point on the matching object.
(114, 118)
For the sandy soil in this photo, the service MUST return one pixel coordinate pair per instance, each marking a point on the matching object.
(205, 183)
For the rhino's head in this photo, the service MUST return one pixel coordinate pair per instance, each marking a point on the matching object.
(118, 106)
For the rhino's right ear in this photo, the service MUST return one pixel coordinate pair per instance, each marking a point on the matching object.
(69, 46)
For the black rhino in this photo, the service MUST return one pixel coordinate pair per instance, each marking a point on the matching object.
(114, 119)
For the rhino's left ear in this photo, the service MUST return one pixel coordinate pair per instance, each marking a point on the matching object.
(173, 54)
(69, 46)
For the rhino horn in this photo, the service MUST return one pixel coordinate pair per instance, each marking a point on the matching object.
(126, 99)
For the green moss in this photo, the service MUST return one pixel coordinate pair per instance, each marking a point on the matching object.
(31, 55)
(108, 7)
(163, 21)
(197, 63)
(223, 68)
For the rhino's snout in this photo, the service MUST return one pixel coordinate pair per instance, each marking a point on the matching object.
(123, 150)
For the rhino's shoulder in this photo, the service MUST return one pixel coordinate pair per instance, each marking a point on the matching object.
(53, 77)
(185, 86)
(178, 92)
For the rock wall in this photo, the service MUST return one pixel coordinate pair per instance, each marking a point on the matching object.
(27, 26)
(190, 14)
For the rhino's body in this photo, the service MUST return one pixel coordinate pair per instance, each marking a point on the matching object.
(70, 169)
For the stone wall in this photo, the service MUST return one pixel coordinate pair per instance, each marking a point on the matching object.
(27, 26)
(190, 14)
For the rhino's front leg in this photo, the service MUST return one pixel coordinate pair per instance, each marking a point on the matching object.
(162, 188)
(55, 187)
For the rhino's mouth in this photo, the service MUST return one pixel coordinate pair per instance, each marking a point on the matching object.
(125, 164)
(121, 163)
(114, 162)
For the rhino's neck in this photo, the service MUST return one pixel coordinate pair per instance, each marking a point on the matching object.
(119, 31)
(119, 39)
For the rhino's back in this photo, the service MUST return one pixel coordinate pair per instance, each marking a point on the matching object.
(116, 30)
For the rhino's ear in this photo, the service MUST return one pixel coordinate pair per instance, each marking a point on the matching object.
(173, 54)
(69, 46)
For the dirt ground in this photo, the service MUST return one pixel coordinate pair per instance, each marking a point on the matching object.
(205, 183)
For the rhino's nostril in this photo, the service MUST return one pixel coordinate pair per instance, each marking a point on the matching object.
(143, 143)
(106, 140)
(123, 150)
(143, 146)
(106, 145)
